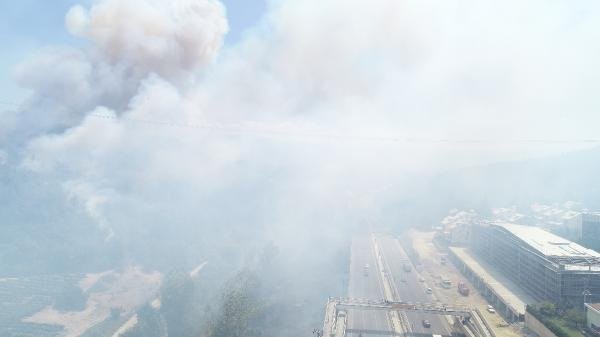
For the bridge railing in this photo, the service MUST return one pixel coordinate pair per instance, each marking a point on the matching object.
(346, 302)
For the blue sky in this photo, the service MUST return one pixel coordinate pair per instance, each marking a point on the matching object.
(28, 25)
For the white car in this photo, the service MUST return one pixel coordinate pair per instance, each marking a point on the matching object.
(428, 290)
(491, 309)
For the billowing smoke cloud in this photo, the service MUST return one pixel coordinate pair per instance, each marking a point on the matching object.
(459, 82)
(129, 41)
(169, 38)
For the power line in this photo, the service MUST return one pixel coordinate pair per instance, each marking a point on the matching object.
(246, 129)
(243, 128)
(15, 104)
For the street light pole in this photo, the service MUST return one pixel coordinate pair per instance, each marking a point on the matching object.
(585, 294)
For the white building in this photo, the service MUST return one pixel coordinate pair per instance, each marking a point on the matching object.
(592, 311)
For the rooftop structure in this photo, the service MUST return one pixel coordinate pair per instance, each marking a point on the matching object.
(545, 265)
(594, 306)
(555, 248)
(593, 317)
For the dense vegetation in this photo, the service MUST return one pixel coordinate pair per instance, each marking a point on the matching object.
(268, 297)
(563, 323)
(248, 284)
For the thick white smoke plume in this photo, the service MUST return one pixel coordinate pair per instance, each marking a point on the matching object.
(463, 81)
(169, 38)
(128, 42)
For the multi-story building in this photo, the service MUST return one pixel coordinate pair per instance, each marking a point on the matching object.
(545, 265)
(585, 229)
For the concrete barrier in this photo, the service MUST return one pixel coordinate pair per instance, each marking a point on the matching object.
(398, 322)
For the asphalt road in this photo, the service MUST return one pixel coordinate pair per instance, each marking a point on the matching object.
(409, 288)
(365, 284)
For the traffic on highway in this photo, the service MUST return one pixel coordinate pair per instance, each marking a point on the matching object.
(375, 261)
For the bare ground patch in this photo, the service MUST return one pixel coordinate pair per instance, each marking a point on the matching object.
(123, 290)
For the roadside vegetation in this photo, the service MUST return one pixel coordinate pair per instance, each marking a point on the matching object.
(563, 323)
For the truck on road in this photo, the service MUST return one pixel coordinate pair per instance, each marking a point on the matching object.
(463, 289)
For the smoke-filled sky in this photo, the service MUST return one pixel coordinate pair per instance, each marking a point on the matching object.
(135, 104)
(24, 38)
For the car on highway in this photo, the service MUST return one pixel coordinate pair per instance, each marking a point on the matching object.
(426, 323)
(428, 290)
(491, 309)
(446, 283)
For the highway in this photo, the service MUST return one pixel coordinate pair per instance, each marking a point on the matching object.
(410, 289)
(365, 285)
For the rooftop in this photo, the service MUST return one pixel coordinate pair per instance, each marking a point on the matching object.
(553, 246)
(595, 306)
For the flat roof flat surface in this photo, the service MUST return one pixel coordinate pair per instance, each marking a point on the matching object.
(548, 244)
(595, 306)
(510, 293)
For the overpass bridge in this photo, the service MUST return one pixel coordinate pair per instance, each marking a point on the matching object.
(430, 308)
(335, 317)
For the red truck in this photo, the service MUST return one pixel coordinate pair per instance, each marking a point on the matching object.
(463, 289)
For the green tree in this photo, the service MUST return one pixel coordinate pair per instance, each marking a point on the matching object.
(71, 298)
(547, 309)
(177, 296)
(574, 318)
(241, 309)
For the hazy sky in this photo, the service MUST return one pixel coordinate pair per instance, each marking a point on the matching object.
(28, 25)
(439, 81)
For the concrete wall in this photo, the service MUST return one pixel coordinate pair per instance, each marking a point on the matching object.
(486, 290)
(537, 327)
(593, 317)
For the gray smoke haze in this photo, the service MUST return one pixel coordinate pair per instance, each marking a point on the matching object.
(443, 83)
(152, 143)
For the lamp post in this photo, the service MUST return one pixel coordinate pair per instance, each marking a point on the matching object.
(585, 294)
